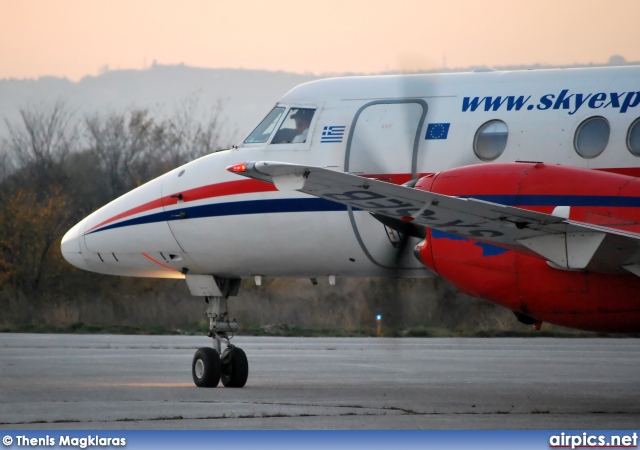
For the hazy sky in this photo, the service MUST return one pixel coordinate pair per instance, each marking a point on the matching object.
(74, 38)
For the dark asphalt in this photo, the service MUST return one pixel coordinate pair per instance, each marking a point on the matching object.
(144, 382)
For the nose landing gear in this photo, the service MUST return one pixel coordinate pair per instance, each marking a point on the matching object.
(210, 365)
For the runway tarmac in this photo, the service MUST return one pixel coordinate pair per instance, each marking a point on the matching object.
(144, 382)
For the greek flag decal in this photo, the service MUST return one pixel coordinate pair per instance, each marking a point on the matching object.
(333, 133)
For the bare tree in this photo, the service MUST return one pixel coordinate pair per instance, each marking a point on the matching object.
(120, 141)
(190, 133)
(40, 143)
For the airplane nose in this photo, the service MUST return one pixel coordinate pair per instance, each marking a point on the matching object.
(70, 246)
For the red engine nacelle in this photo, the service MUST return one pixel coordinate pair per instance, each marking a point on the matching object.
(527, 284)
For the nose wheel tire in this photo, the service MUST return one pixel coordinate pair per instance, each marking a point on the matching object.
(234, 367)
(205, 367)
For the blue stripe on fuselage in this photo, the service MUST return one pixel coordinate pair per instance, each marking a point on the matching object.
(322, 205)
(233, 209)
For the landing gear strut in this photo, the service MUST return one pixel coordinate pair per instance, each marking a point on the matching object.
(210, 365)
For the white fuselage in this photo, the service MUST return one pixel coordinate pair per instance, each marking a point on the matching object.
(395, 127)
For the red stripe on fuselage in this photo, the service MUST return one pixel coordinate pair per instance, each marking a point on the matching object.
(199, 193)
(228, 188)
(138, 209)
(220, 190)
(252, 186)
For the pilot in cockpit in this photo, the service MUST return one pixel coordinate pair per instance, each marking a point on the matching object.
(303, 120)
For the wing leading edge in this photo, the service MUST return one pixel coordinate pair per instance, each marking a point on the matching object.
(565, 244)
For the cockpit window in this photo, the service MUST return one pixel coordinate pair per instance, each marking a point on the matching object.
(266, 127)
(295, 127)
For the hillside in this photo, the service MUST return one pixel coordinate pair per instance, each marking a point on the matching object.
(246, 94)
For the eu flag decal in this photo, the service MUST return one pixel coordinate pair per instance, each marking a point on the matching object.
(437, 131)
(333, 133)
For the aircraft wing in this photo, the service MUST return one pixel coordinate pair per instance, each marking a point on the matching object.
(566, 244)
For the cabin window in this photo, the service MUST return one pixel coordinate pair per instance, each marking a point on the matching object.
(491, 140)
(266, 127)
(633, 138)
(592, 137)
(295, 127)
